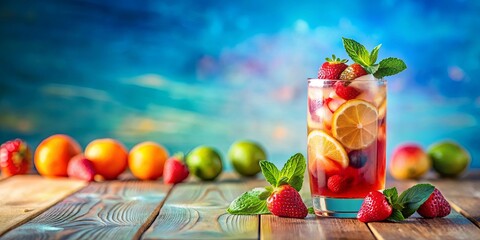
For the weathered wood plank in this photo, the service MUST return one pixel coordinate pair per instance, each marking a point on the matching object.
(454, 226)
(26, 196)
(107, 210)
(312, 227)
(463, 195)
(197, 211)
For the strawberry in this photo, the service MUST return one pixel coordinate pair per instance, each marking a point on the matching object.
(338, 183)
(346, 92)
(374, 208)
(353, 71)
(285, 201)
(15, 157)
(81, 168)
(332, 68)
(435, 206)
(175, 170)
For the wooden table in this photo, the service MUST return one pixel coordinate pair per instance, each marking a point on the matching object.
(33, 207)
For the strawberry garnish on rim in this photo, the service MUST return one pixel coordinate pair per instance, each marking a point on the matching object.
(332, 68)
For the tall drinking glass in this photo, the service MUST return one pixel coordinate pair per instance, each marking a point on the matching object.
(346, 122)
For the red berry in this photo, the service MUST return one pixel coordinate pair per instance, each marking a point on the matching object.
(346, 92)
(374, 208)
(332, 68)
(175, 170)
(81, 168)
(435, 206)
(338, 183)
(285, 201)
(15, 157)
(353, 71)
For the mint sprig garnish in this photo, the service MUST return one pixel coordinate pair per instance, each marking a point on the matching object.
(408, 202)
(255, 200)
(359, 54)
(249, 203)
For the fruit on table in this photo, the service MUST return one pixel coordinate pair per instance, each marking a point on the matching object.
(332, 68)
(54, 153)
(109, 157)
(435, 206)
(449, 159)
(175, 170)
(409, 161)
(354, 130)
(146, 160)
(375, 207)
(81, 168)
(205, 163)
(15, 157)
(285, 201)
(325, 152)
(245, 157)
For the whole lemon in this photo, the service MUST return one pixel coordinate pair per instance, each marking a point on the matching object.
(245, 157)
(449, 158)
(205, 163)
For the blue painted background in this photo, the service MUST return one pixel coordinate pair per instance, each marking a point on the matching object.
(185, 73)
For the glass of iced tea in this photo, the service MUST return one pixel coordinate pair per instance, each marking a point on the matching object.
(346, 121)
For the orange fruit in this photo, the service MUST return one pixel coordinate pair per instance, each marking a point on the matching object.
(109, 157)
(355, 124)
(146, 160)
(325, 152)
(53, 154)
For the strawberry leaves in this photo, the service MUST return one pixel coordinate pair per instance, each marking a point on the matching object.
(408, 202)
(359, 54)
(254, 201)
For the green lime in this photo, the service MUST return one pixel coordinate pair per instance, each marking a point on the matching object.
(204, 162)
(449, 159)
(245, 157)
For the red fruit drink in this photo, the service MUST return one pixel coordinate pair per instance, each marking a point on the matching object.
(346, 121)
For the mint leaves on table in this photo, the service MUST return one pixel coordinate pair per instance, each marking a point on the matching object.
(249, 203)
(359, 54)
(408, 202)
(255, 200)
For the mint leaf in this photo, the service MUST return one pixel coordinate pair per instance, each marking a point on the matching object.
(282, 181)
(389, 66)
(412, 198)
(396, 216)
(374, 54)
(265, 193)
(249, 203)
(294, 170)
(311, 210)
(357, 52)
(270, 171)
(372, 69)
(391, 194)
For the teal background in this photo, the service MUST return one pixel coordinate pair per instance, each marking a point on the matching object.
(186, 73)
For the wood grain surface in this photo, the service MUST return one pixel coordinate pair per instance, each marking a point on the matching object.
(454, 226)
(312, 227)
(26, 196)
(108, 210)
(198, 211)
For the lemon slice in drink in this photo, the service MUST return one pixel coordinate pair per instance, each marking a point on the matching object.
(355, 124)
(325, 152)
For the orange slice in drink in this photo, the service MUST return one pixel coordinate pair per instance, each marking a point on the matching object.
(355, 124)
(325, 153)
